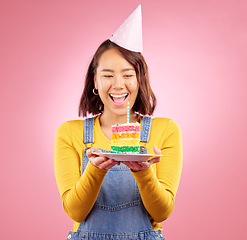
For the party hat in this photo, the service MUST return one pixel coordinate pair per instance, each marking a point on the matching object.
(129, 34)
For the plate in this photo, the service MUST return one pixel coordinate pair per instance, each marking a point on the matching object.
(126, 157)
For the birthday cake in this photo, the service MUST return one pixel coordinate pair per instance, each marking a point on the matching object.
(125, 138)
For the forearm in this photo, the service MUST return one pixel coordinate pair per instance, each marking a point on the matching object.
(158, 201)
(79, 200)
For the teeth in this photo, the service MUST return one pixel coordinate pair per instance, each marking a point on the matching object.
(118, 96)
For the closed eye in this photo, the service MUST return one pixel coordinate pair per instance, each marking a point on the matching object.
(128, 76)
(108, 76)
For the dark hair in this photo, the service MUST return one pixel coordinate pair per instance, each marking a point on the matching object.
(145, 101)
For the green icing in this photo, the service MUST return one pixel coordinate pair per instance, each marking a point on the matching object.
(125, 149)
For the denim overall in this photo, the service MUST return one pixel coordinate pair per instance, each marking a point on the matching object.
(118, 213)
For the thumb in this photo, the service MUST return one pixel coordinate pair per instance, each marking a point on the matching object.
(156, 150)
(89, 152)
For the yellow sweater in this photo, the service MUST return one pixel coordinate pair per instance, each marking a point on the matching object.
(157, 185)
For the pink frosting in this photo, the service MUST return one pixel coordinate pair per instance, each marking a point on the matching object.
(124, 128)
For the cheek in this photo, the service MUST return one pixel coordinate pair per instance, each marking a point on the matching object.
(133, 86)
(133, 83)
(101, 84)
(103, 87)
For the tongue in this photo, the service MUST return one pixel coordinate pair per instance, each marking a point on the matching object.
(118, 100)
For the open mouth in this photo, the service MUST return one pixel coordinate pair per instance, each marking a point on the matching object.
(118, 99)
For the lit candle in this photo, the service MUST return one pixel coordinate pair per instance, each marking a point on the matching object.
(128, 113)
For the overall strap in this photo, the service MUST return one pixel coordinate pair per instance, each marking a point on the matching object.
(89, 132)
(145, 131)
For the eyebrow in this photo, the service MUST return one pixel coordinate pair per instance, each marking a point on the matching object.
(128, 69)
(124, 70)
(107, 70)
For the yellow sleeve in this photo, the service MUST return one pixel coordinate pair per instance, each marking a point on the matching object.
(78, 192)
(158, 185)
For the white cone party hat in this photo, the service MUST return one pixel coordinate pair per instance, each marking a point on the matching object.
(129, 34)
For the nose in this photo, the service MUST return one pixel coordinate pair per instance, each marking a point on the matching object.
(118, 82)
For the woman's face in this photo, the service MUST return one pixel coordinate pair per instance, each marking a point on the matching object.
(116, 82)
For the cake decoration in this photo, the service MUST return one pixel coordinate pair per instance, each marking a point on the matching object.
(125, 137)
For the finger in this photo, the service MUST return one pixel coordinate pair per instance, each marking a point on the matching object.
(144, 165)
(136, 166)
(132, 165)
(154, 160)
(89, 152)
(157, 150)
(117, 162)
(127, 164)
(107, 164)
(101, 160)
(110, 165)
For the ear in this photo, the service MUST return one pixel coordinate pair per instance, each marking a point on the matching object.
(95, 82)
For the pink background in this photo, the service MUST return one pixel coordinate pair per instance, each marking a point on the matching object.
(196, 51)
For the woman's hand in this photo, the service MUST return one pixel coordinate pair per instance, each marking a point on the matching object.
(100, 162)
(138, 166)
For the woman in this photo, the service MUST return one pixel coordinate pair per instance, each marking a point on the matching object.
(108, 199)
